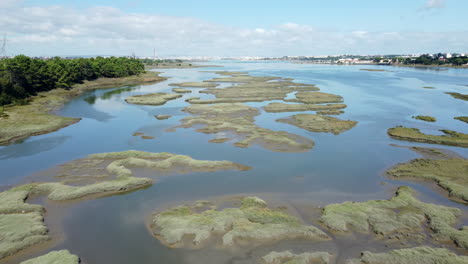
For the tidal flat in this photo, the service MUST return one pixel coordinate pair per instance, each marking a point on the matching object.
(296, 174)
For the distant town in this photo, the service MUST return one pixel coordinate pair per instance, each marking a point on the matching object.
(435, 59)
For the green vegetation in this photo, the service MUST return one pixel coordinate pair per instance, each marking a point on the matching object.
(426, 59)
(319, 123)
(21, 76)
(451, 138)
(462, 118)
(425, 118)
(330, 112)
(417, 255)
(459, 96)
(401, 217)
(239, 118)
(34, 118)
(54, 257)
(450, 174)
(287, 257)
(252, 222)
(152, 98)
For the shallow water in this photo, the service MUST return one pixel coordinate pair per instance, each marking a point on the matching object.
(341, 167)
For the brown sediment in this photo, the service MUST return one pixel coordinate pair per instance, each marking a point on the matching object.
(35, 118)
(319, 123)
(451, 138)
(147, 137)
(239, 118)
(136, 134)
(152, 98)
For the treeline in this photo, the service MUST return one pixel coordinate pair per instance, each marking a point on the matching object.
(22, 76)
(436, 59)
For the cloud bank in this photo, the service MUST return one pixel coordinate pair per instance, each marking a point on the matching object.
(59, 30)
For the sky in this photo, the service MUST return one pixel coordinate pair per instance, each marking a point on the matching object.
(233, 28)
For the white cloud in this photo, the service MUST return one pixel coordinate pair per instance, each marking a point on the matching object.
(432, 4)
(58, 30)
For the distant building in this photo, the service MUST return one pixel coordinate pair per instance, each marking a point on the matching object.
(448, 55)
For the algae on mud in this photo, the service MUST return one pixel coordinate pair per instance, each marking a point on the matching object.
(451, 138)
(239, 118)
(417, 255)
(252, 222)
(152, 98)
(35, 118)
(55, 257)
(319, 123)
(450, 174)
(283, 107)
(401, 217)
(286, 257)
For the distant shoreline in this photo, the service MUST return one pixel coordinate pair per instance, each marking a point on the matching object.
(394, 65)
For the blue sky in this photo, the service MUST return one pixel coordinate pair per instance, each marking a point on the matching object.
(234, 28)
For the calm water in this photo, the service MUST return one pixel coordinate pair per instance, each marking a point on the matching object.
(341, 167)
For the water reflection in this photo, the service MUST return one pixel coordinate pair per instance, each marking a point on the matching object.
(30, 148)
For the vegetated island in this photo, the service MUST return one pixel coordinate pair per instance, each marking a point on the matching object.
(458, 96)
(239, 118)
(152, 98)
(319, 123)
(450, 138)
(55, 257)
(402, 218)
(425, 118)
(22, 224)
(450, 173)
(462, 118)
(253, 221)
(424, 254)
(31, 89)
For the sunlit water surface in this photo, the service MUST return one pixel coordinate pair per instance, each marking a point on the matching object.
(349, 166)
